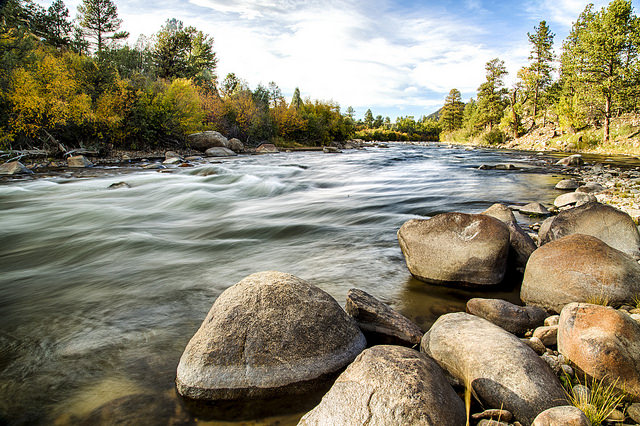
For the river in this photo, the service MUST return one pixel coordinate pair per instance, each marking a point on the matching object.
(101, 289)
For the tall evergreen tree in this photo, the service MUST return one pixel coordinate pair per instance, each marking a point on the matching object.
(100, 22)
(538, 76)
(491, 94)
(600, 62)
(452, 111)
(58, 25)
(368, 118)
(296, 100)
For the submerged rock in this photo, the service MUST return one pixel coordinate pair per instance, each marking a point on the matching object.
(577, 268)
(271, 334)
(515, 319)
(379, 322)
(614, 227)
(602, 342)
(119, 185)
(389, 385)
(456, 247)
(503, 371)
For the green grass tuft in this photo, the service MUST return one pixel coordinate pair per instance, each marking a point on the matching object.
(599, 403)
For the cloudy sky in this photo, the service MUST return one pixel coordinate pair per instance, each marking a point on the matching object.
(397, 57)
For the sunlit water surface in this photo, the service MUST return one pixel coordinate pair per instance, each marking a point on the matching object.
(100, 289)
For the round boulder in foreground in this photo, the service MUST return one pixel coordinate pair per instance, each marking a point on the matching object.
(272, 334)
(456, 248)
(579, 268)
(390, 385)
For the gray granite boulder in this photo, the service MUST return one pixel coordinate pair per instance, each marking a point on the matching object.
(590, 188)
(235, 145)
(379, 322)
(603, 342)
(503, 371)
(612, 226)
(515, 319)
(577, 268)
(271, 334)
(456, 248)
(567, 415)
(204, 140)
(572, 160)
(567, 184)
(573, 198)
(534, 209)
(521, 244)
(390, 385)
(267, 148)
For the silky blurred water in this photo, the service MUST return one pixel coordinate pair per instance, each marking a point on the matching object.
(100, 289)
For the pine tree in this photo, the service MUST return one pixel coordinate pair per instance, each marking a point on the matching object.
(368, 118)
(538, 75)
(491, 94)
(296, 100)
(100, 22)
(600, 61)
(58, 24)
(452, 111)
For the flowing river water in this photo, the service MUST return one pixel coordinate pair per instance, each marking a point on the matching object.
(101, 289)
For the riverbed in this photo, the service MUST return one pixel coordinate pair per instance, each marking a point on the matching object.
(101, 288)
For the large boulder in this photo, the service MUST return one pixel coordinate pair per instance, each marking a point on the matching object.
(534, 209)
(13, 168)
(219, 151)
(603, 343)
(521, 243)
(389, 385)
(235, 145)
(578, 268)
(567, 415)
(271, 334)
(613, 226)
(567, 184)
(204, 140)
(502, 371)
(515, 319)
(456, 248)
(379, 322)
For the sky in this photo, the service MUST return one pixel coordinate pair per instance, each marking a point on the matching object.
(396, 57)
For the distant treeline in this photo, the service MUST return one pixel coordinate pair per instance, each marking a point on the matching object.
(74, 82)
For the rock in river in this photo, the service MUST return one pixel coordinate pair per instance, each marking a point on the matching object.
(515, 319)
(503, 371)
(379, 322)
(572, 160)
(219, 152)
(602, 342)
(569, 184)
(271, 334)
(205, 140)
(13, 168)
(573, 198)
(534, 209)
(577, 268)
(389, 385)
(456, 248)
(521, 244)
(267, 148)
(78, 161)
(612, 226)
(236, 145)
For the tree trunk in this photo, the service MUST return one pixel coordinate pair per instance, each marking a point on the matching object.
(515, 117)
(607, 117)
